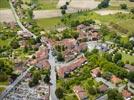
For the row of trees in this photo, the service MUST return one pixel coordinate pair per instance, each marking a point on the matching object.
(6, 69)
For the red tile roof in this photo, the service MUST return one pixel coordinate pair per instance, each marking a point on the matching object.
(95, 72)
(43, 64)
(115, 79)
(72, 66)
(103, 88)
(42, 54)
(126, 94)
(80, 92)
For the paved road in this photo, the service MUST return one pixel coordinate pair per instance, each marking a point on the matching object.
(53, 64)
(10, 87)
(18, 20)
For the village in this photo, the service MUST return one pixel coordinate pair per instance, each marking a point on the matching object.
(72, 62)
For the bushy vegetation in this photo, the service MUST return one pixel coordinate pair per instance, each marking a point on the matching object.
(113, 94)
(6, 69)
(104, 4)
(123, 6)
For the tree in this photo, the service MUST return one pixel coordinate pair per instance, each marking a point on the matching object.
(92, 90)
(107, 75)
(67, 3)
(104, 4)
(108, 56)
(47, 79)
(36, 76)
(131, 76)
(59, 92)
(120, 63)
(63, 11)
(123, 6)
(3, 77)
(113, 94)
(30, 13)
(14, 43)
(60, 57)
(117, 57)
(132, 10)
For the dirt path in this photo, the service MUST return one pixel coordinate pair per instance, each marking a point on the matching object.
(107, 12)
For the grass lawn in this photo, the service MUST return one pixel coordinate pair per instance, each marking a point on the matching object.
(124, 39)
(124, 21)
(126, 57)
(5, 42)
(48, 22)
(4, 83)
(4, 4)
(1, 89)
(115, 4)
(47, 4)
(70, 97)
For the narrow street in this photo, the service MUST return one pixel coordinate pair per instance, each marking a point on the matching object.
(18, 20)
(53, 64)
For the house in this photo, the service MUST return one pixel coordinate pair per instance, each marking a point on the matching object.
(83, 46)
(126, 94)
(95, 35)
(83, 37)
(80, 27)
(66, 69)
(70, 55)
(42, 53)
(67, 43)
(24, 34)
(43, 64)
(103, 88)
(80, 93)
(96, 72)
(115, 80)
(129, 67)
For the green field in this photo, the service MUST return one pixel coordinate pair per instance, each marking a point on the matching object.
(126, 57)
(115, 4)
(1, 89)
(125, 21)
(4, 4)
(46, 4)
(48, 22)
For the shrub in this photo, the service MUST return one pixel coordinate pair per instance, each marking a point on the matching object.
(123, 6)
(103, 4)
(132, 10)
